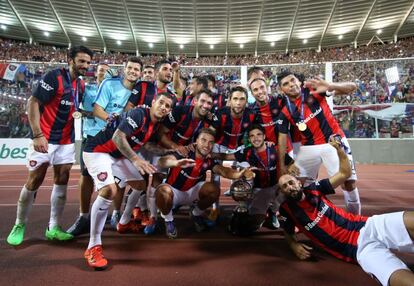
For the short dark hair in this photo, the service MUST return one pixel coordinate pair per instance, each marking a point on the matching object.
(148, 67)
(285, 73)
(238, 89)
(167, 95)
(79, 49)
(205, 91)
(135, 59)
(253, 70)
(207, 131)
(255, 126)
(201, 80)
(160, 63)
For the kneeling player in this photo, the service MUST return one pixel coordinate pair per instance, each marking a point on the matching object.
(185, 183)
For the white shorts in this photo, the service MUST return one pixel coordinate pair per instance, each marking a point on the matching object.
(56, 155)
(185, 198)
(380, 234)
(296, 147)
(310, 158)
(106, 170)
(262, 198)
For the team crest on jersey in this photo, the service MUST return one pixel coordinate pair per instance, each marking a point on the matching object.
(102, 176)
(310, 100)
(32, 163)
(275, 111)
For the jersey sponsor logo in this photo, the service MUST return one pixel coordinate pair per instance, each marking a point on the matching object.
(171, 118)
(313, 115)
(66, 102)
(134, 91)
(320, 214)
(271, 123)
(32, 163)
(131, 122)
(190, 177)
(45, 85)
(102, 176)
(136, 140)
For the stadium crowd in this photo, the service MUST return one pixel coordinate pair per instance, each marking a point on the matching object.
(369, 76)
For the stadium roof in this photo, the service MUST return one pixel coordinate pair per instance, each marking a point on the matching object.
(212, 27)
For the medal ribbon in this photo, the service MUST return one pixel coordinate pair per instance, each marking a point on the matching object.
(74, 94)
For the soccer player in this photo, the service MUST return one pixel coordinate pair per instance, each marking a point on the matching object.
(185, 183)
(263, 157)
(197, 83)
(347, 236)
(180, 128)
(112, 152)
(144, 92)
(82, 224)
(111, 100)
(51, 110)
(307, 111)
(148, 74)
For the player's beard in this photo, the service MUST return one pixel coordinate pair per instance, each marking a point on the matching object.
(296, 196)
(164, 80)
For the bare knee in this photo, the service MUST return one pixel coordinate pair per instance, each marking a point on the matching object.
(164, 197)
(402, 277)
(409, 223)
(61, 174)
(208, 194)
(108, 192)
(36, 177)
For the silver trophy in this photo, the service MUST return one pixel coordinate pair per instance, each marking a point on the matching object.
(242, 191)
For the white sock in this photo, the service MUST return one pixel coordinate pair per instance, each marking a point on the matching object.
(352, 201)
(197, 212)
(151, 202)
(132, 201)
(168, 217)
(142, 202)
(99, 212)
(24, 205)
(57, 204)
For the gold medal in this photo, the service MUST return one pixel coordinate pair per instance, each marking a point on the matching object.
(77, 115)
(302, 126)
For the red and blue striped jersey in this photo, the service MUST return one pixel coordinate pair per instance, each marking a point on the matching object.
(144, 92)
(230, 130)
(135, 123)
(57, 103)
(327, 225)
(268, 115)
(184, 179)
(266, 162)
(219, 101)
(183, 127)
(317, 115)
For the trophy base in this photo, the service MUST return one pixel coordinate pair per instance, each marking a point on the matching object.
(241, 223)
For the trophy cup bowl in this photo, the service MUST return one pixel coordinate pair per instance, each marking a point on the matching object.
(241, 191)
